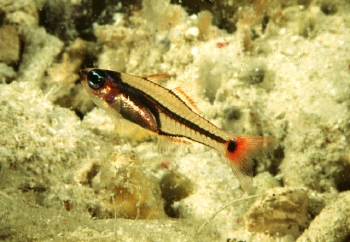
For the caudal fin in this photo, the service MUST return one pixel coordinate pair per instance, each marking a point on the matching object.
(240, 150)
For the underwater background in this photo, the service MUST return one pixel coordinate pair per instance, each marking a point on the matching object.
(279, 69)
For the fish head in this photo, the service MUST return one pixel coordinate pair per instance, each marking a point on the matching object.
(101, 84)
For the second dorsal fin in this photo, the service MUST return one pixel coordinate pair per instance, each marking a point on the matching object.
(189, 101)
(162, 78)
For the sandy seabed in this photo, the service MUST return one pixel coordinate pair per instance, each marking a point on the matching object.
(281, 69)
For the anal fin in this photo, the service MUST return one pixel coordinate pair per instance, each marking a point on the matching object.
(167, 143)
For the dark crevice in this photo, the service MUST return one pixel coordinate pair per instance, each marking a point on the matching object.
(92, 173)
(195, 6)
(329, 8)
(342, 179)
(264, 23)
(254, 167)
(93, 211)
(174, 187)
(232, 113)
(79, 114)
(347, 238)
(89, 61)
(278, 156)
(38, 188)
(68, 20)
(2, 17)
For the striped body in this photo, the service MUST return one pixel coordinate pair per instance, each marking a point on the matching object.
(161, 110)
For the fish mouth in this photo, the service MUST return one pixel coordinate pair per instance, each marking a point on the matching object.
(83, 74)
(83, 79)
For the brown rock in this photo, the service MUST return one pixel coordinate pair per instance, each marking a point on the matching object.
(9, 44)
(282, 211)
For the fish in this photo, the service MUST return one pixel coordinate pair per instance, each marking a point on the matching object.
(170, 113)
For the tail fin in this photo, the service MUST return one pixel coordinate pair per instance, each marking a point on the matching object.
(240, 151)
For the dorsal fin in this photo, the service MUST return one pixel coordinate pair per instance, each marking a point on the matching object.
(158, 78)
(161, 78)
(189, 101)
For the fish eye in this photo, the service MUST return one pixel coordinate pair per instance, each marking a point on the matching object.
(96, 79)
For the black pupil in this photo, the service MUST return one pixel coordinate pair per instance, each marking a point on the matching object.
(96, 79)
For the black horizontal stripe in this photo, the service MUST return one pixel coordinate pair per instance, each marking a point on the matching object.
(156, 106)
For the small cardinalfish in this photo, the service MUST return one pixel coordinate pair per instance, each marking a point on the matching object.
(170, 113)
